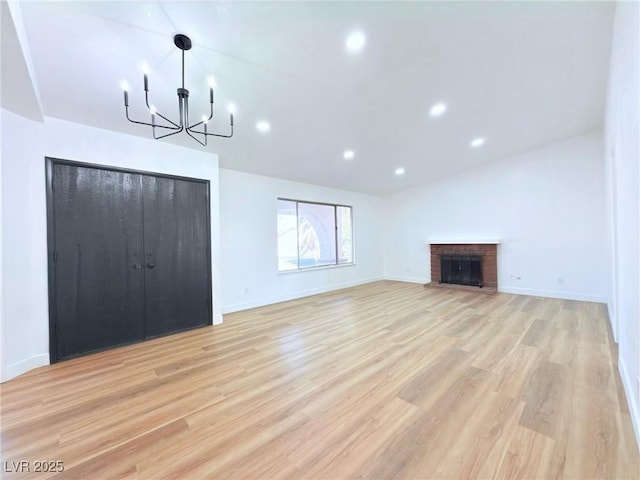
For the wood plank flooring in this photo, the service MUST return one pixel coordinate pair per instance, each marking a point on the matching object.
(385, 380)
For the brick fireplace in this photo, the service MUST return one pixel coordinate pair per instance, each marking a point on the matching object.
(488, 256)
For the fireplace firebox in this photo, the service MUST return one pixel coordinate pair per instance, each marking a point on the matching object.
(461, 269)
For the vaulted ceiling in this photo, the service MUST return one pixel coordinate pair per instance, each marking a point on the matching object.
(518, 74)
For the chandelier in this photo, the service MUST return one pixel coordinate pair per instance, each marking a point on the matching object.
(197, 131)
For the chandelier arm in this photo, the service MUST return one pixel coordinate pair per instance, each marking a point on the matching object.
(175, 125)
(212, 134)
(207, 134)
(221, 135)
(168, 134)
(146, 101)
(203, 121)
(149, 124)
(204, 144)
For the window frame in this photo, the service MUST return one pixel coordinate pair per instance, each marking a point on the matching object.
(335, 237)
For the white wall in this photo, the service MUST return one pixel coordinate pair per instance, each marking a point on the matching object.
(545, 206)
(622, 153)
(25, 324)
(250, 278)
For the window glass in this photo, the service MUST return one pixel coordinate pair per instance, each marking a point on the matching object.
(313, 235)
(316, 234)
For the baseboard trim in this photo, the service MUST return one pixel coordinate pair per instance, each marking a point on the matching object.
(398, 278)
(23, 366)
(612, 322)
(237, 307)
(553, 294)
(632, 401)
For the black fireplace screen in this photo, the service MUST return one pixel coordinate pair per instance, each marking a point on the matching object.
(461, 269)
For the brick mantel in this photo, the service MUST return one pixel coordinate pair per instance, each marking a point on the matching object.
(486, 249)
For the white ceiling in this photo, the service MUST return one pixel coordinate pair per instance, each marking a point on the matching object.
(519, 74)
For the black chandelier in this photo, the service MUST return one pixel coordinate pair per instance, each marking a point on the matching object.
(183, 43)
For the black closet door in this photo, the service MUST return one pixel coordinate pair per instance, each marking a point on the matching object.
(177, 261)
(98, 284)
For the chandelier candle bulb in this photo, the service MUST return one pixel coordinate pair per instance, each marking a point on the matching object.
(125, 88)
(231, 114)
(146, 82)
(210, 94)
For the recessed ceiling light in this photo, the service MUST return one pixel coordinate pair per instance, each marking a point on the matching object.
(348, 154)
(477, 142)
(399, 171)
(355, 41)
(263, 126)
(438, 109)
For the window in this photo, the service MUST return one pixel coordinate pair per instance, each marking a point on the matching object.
(313, 235)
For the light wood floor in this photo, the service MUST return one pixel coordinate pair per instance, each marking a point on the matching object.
(386, 380)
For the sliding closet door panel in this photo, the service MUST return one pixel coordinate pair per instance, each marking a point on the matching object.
(99, 277)
(177, 261)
